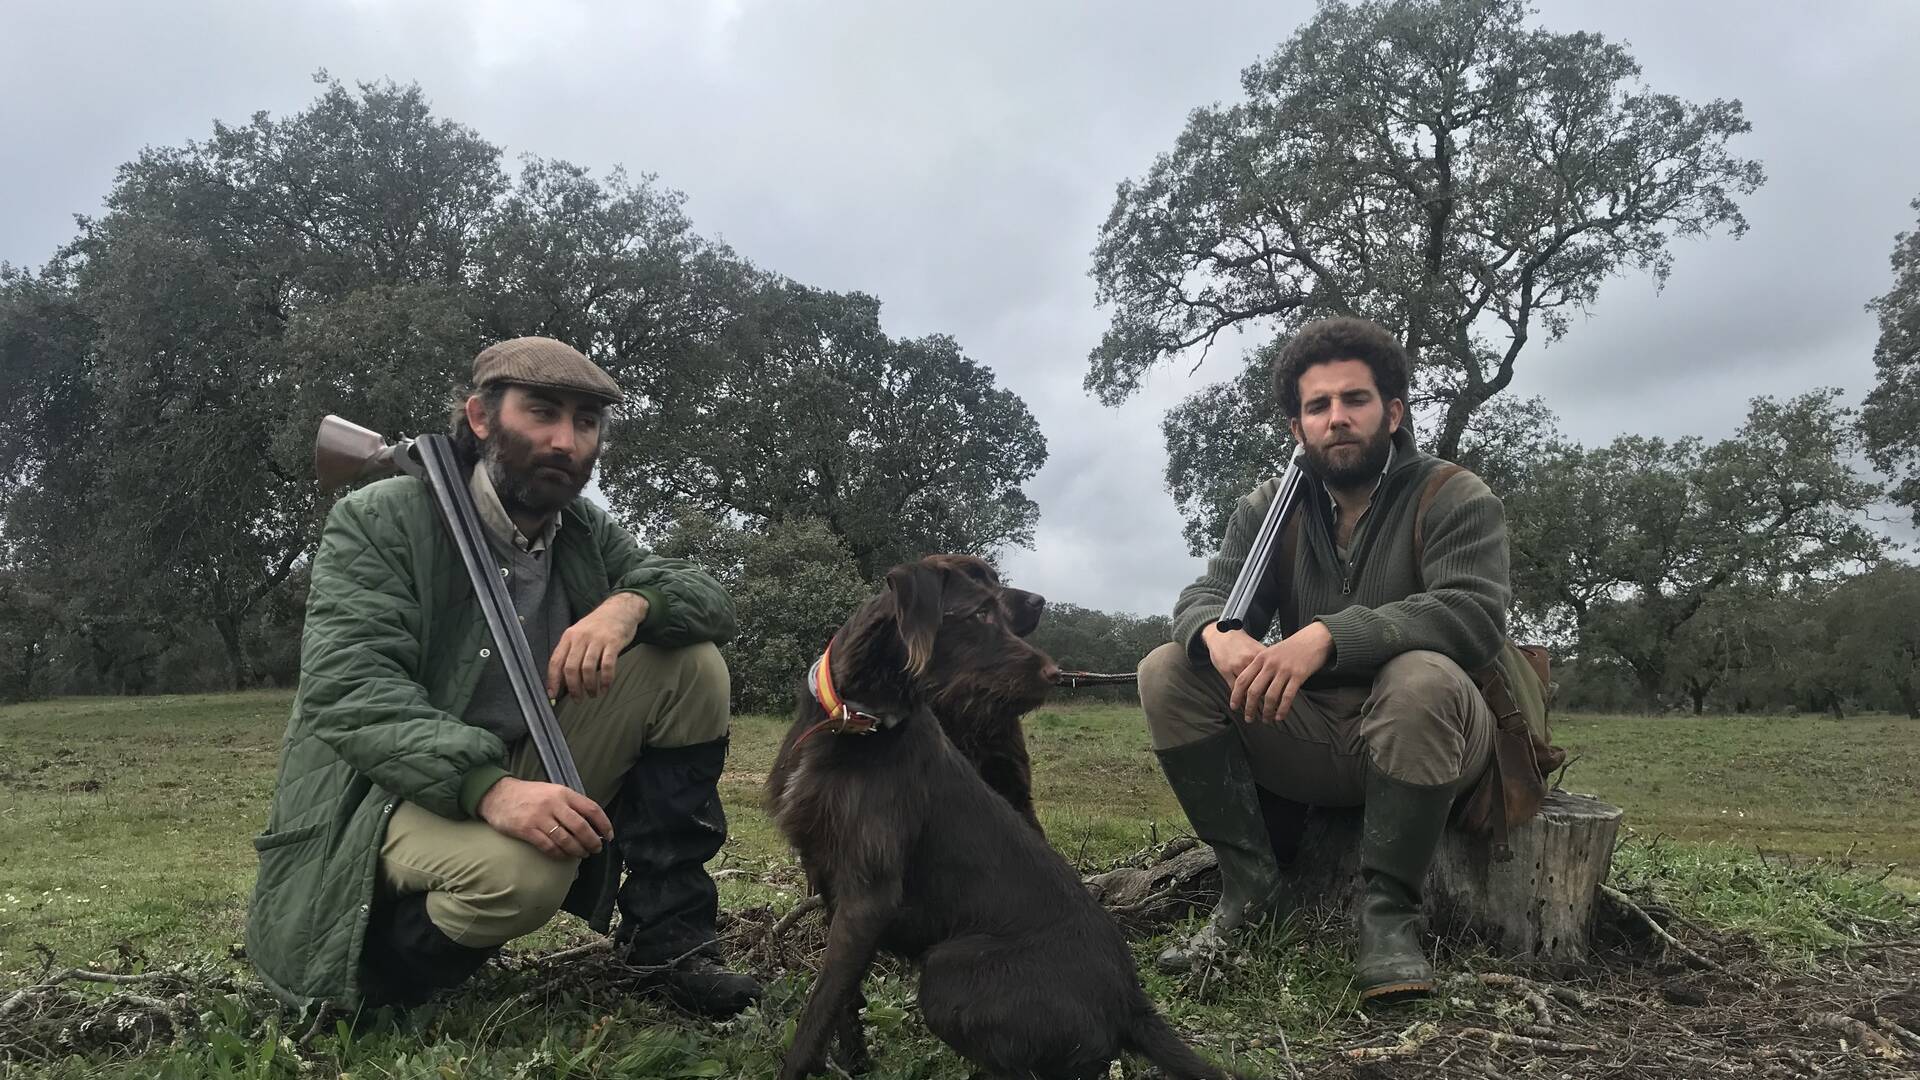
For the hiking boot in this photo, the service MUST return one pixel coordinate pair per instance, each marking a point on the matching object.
(667, 822)
(1215, 787)
(1402, 828)
(407, 959)
(701, 984)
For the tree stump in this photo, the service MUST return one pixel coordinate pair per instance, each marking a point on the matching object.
(1537, 906)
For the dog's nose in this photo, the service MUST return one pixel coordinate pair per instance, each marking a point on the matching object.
(1051, 672)
(1036, 601)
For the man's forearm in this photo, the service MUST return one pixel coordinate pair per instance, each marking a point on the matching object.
(628, 605)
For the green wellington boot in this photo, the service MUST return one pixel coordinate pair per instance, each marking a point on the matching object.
(1402, 830)
(1215, 788)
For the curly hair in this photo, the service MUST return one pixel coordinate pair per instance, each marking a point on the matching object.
(1326, 340)
(465, 442)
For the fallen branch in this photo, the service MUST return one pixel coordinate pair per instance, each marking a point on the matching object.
(1857, 1030)
(1887, 1025)
(1544, 1046)
(604, 944)
(1410, 1043)
(800, 911)
(1659, 931)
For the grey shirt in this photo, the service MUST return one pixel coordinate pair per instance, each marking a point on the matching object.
(540, 604)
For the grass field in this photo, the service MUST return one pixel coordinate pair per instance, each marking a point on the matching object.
(126, 823)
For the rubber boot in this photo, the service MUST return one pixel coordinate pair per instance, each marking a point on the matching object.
(407, 959)
(1215, 787)
(667, 822)
(1402, 827)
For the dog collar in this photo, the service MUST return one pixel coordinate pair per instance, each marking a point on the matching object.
(842, 718)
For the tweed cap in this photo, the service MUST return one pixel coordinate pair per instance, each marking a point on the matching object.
(540, 361)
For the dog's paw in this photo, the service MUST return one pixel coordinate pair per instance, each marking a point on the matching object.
(798, 1068)
(853, 1060)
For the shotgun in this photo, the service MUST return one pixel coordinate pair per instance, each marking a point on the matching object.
(344, 452)
(1260, 555)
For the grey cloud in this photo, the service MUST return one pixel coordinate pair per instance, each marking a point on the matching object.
(956, 161)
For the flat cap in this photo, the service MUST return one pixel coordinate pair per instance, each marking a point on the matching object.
(544, 362)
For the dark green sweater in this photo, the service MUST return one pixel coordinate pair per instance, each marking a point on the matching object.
(1377, 604)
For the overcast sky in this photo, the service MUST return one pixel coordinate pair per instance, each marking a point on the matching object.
(956, 161)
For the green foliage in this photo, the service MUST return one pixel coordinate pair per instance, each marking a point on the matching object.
(1434, 165)
(1629, 544)
(1873, 622)
(169, 366)
(1794, 903)
(1890, 418)
(806, 409)
(792, 583)
(1080, 639)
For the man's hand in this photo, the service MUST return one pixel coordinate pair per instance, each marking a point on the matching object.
(558, 820)
(1230, 650)
(1264, 688)
(582, 662)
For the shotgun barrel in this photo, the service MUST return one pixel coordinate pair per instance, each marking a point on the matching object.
(1260, 556)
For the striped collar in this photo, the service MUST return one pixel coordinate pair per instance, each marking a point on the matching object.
(843, 717)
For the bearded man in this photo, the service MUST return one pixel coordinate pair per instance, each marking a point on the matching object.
(413, 830)
(1365, 700)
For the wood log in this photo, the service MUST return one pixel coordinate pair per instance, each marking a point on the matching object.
(1537, 906)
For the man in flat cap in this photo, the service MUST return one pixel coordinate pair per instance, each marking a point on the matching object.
(413, 829)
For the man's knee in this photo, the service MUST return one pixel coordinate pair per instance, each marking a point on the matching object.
(1422, 722)
(1178, 697)
(698, 710)
(1426, 678)
(512, 893)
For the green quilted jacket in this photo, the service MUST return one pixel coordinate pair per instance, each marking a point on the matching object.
(393, 647)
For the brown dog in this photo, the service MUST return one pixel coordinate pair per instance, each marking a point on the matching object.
(987, 729)
(1021, 971)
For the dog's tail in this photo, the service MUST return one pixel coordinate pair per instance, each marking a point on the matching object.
(1154, 1039)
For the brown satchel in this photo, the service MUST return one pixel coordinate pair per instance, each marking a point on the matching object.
(1515, 689)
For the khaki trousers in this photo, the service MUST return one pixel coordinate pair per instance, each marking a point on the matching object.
(1422, 721)
(484, 888)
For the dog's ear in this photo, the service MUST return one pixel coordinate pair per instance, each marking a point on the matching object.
(917, 595)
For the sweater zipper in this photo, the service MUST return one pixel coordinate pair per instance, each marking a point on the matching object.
(1360, 537)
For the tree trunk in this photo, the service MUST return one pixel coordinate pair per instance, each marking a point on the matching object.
(237, 666)
(1538, 905)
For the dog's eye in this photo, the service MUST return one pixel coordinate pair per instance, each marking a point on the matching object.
(984, 615)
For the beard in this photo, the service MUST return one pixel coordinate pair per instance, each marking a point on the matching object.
(1354, 462)
(528, 484)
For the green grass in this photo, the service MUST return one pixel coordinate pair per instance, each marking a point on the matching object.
(126, 825)
(1846, 790)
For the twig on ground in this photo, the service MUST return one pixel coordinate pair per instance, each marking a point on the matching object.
(1544, 1046)
(1565, 995)
(800, 911)
(1410, 1043)
(1856, 1030)
(1659, 931)
(1887, 1025)
(1286, 1054)
(597, 945)
(321, 1014)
